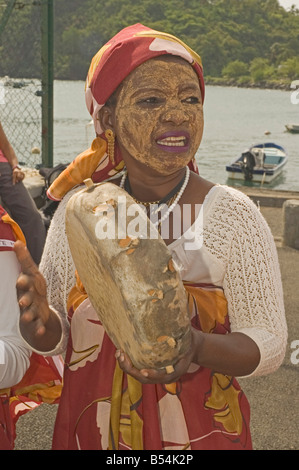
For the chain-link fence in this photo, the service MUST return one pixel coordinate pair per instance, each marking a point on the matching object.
(20, 78)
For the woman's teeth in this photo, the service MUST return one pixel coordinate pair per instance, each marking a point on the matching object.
(173, 141)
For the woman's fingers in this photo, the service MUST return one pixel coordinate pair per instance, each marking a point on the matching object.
(24, 283)
(20, 250)
(27, 264)
(31, 291)
(29, 317)
(30, 278)
(145, 376)
(25, 300)
(17, 175)
(126, 365)
(159, 375)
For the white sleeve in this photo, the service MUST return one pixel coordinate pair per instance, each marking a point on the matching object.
(14, 354)
(57, 265)
(58, 269)
(253, 286)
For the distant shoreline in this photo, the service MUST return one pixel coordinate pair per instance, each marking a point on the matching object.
(265, 84)
(213, 81)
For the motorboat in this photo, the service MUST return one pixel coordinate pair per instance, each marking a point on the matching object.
(293, 128)
(260, 163)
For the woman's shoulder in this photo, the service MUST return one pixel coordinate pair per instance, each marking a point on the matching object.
(231, 198)
(227, 204)
(231, 207)
(204, 191)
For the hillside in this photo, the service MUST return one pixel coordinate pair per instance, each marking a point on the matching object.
(241, 42)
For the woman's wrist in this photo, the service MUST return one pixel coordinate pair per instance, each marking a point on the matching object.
(234, 354)
(197, 346)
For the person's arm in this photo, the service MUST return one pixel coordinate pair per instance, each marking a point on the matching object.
(39, 325)
(234, 354)
(14, 354)
(58, 272)
(10, 155)
(253, 287)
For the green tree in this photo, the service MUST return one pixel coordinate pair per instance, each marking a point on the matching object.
(221, 32)
(290, 68)
(235, 69)
(260, 69)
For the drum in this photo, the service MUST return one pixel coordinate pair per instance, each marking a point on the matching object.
(129, 275)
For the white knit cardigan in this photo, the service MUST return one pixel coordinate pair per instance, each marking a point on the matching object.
(238, 253)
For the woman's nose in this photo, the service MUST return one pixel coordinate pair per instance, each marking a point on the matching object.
(176, 114)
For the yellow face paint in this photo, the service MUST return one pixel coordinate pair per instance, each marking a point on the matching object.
(159, 115)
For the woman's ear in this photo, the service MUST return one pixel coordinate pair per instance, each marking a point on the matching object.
(106, 118)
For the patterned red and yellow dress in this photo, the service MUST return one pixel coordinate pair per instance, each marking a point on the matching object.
(103, 408)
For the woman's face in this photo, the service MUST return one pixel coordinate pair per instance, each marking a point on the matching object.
(158, 117)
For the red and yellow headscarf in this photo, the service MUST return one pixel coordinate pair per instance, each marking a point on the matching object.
(131, 47)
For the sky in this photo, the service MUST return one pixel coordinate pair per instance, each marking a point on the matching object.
(288, 3)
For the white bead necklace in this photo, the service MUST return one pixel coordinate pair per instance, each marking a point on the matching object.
(175, 202)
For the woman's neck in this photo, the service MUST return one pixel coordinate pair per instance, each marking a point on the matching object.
(147, 186)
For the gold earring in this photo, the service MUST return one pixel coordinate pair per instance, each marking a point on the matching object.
(110, 148)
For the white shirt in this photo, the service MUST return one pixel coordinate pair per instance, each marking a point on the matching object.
(14, 354)
(238, 253)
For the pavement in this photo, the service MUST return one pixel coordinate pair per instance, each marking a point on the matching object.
(274, 398)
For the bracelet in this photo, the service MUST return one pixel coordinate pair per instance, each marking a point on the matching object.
(16, 166)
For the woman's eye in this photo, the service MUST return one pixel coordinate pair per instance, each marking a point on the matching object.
(149, 100)
(192, 100)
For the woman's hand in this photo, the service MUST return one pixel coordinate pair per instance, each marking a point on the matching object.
(151, 376)
(234, 354)
(39, 326)
(17, 175)
(31, 291)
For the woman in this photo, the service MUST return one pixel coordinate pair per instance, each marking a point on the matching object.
(14, 354)
(145, 89)
(26, 379)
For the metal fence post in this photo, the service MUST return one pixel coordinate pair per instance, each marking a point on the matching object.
(5, 17)
(47, 82)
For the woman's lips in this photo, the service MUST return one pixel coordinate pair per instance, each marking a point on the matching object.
(174, 141)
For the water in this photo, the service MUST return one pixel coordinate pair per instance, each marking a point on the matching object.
(235, 118)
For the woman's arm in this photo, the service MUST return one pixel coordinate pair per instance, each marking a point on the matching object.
(40, 326)
(233, 354)
(253, 286)
(8, 151)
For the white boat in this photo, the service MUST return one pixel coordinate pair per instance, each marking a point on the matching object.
(293, 128)
(260, 163)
